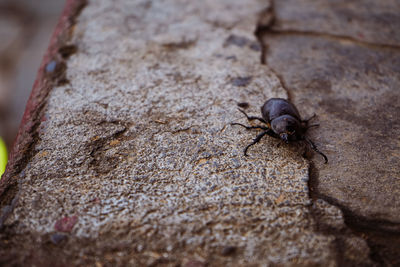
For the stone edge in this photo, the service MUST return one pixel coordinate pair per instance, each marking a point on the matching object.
(25, 139)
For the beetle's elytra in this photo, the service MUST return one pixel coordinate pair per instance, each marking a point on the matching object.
(282, 121)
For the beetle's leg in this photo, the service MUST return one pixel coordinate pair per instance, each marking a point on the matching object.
(272, 134)
(280, 142)
(251, 118)
(250, 127)
(314, 147)
(312, 125)
(255, 141)
(307, 120)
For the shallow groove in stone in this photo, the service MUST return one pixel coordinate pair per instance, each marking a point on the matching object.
(358, 224)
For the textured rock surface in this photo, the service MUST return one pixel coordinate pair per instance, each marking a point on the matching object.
(353, 87)
(134, 161)
(348, 75)
(374, 22)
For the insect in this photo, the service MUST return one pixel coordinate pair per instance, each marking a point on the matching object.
(282, 121)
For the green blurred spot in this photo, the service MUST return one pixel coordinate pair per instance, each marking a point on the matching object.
(3, 157)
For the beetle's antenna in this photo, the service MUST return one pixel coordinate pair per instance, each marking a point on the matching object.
(310, 118)
(280, 142)
(312, 125)
(314, 147)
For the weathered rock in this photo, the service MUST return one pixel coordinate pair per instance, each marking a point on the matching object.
(369, 21)
(135, 145)
(343, 64)
(354, 90)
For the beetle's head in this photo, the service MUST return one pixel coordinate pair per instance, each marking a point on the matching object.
(285, 126)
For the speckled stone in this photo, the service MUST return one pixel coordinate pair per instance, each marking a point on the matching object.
(137, 148)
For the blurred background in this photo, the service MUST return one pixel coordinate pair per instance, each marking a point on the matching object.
(25, 30)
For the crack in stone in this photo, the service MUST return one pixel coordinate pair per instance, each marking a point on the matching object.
(356, 220)
(353, 221)
(337, 38)
(369, 230)
(264, 24)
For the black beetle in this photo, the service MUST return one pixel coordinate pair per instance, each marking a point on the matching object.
(283, 121)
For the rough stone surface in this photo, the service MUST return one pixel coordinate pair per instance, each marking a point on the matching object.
(348, 75)
(369, 21)
(135, 163)
(354, 91)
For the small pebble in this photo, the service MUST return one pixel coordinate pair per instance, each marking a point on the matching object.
(241, 81)
(228, 250)
(58, 238)
(243, 105)
(51, 66)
